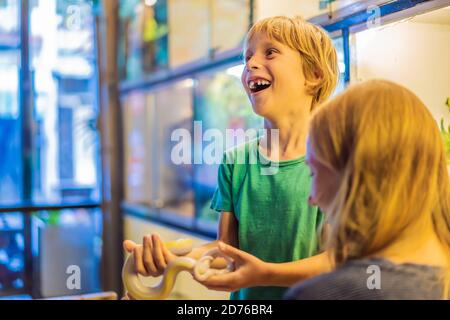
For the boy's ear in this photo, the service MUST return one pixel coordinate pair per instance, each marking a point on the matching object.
(318, 74)
(315, 78)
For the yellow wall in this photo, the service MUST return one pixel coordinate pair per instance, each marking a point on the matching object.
(410, 53)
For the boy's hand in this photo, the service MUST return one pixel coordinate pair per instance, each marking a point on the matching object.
(249, 271)
(151, 258)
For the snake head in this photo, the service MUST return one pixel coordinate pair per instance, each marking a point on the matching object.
(203, 270)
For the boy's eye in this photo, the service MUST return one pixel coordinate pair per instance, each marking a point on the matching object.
(270, 51)
(247, 58)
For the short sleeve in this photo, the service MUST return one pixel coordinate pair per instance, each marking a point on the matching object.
(222, 198)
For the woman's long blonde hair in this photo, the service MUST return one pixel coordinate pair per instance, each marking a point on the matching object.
(387, 146)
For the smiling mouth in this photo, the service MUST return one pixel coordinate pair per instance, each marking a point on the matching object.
(258, 85)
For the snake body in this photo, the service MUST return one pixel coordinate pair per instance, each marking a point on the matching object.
(199, 268)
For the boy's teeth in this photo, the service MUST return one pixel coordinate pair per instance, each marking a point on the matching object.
(252, 84)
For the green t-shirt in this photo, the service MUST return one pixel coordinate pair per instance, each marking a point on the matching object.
(276, 224)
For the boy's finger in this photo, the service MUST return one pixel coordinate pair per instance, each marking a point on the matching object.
(232, 252)
(129, 245)
(157, 253)
(147, 256)
(138, 261)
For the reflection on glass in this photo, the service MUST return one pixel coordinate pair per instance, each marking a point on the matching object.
(137, 113)
(339, 45)
(155, 35)
(65, 242)
(9, 23)
(143, 37)
(153, 177)
(10, 129)
(229, 15)
(12, 260)
(10, 133)
(221, 104)
(63, 59)
(174, 182)
(208, 28)
(188, 41)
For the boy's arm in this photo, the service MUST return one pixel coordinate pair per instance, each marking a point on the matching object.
(288, 273)
(251, 271)
(228, 229)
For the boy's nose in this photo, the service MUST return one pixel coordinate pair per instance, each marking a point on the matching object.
(253, 64)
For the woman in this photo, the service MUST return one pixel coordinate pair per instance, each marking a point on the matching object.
(380, 175)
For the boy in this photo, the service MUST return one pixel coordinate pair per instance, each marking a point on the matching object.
(290, 68)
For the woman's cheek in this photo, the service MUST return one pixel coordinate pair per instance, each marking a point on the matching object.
(312, 201)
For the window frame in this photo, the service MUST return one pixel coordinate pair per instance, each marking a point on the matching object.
(27, 206)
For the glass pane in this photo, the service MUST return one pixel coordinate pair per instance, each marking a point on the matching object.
(9, 23)
(153, 177)
(138, 154)
(143, 37)
(173, 193)
(221, 104)
(188, 41)
(65, 243)
(10, 126)
(63, 60)
(197, 28)
(208, 29)
(229, 15)
(10, 129)
(12, 262)
(339, 45)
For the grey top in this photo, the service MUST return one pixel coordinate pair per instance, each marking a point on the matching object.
(388, 281)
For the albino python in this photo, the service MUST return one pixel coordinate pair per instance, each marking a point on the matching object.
(201, 269)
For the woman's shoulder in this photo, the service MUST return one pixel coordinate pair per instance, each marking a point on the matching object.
(332, 285)
(372, 278)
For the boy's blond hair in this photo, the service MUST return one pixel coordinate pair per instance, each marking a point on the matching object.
(395, 183)
(314, 45)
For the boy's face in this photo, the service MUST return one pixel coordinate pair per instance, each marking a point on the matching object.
(273, 78)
